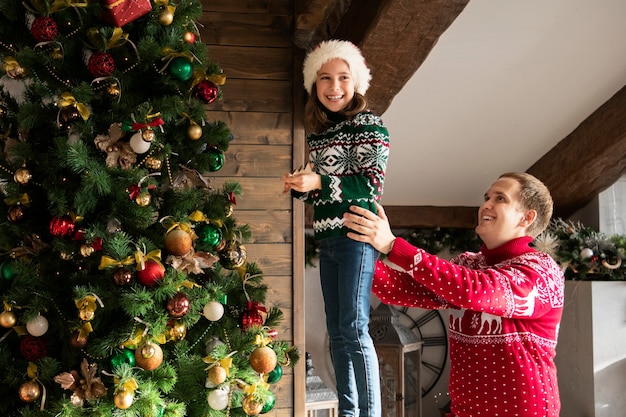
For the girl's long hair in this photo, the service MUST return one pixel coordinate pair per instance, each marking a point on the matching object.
(316, 117)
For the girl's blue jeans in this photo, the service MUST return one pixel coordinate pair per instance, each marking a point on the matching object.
(346, 271)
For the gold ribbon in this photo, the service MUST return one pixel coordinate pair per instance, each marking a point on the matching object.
(130, 385)
(67, 99)
(218, 79)
(262, 341)
(133, 342)
(225, 363)
(10, 63)
(141, 258)
(170, 224)
(38, 6)
(165, 4)
(251, 389)
(198, 216)
(107, 262)
(23, 199)
(98, 41)
(84, 330)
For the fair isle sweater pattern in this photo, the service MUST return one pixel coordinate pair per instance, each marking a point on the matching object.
(351, 157)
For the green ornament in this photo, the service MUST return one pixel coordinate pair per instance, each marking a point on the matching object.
(216, 159)
(181, 68)
(8, 270)
(125, 356)
(275, 375)
(209, 234)
(269, 404)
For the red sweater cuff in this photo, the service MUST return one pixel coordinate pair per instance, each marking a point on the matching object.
(405, 255)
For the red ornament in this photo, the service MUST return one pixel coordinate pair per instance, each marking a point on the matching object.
(205, 91)
(254, 315)
(44, 29)
(33, 348)
(153, 272)
(178, 305)
(62, 226)
(101, 64)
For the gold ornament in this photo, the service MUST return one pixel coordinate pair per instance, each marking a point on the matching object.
(143, 199)
(263, 360)
(250, 406)
(29, 391)
(178, 242)
(148, 135)
(86, 250)
(189, 37)
(149, 356)
(166, 18)
(123, 399)
(86, 314)
(113, 91)
(153, 163)
(194, 132)
(176, 331)
(22, 176)
(7, 319)
(217, 374)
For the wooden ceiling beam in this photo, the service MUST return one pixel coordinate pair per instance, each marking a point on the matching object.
(588, 160)
(395, 37)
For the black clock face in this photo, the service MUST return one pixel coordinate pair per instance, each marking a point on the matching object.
(429, 327)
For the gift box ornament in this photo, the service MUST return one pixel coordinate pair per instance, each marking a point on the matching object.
(121, 12)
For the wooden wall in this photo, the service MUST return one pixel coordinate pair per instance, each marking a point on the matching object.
(251, 41)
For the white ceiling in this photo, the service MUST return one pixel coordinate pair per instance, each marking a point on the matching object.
(506, 82)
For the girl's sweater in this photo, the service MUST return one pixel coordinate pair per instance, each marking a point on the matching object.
(505, 307)
(351, 157)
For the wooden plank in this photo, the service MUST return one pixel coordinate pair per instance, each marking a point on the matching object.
(267, 226)
(265, 193)
(416, 217)
(256, 161)
(298, 247)
(396, 37)
(256, 128)
(245, 29)
(255, 96)
(275, 7)
(588, 160)
(273, 259)
(253, 63)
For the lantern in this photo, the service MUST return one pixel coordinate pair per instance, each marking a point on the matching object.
(399, 358)
(321, 401)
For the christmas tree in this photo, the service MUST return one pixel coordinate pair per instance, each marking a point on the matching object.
(125, 285)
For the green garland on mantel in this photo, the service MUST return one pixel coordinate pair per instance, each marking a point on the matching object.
(582, 252)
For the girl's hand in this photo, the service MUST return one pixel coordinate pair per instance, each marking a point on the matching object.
(370, 228)
(302, 182)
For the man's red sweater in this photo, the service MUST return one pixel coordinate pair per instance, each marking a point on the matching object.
(505, 307)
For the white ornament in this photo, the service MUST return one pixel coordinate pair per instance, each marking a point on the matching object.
(586, 253)
(37, 326)
(218, 399)
(213, 310)
(137, 144)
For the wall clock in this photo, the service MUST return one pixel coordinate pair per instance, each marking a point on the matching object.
(429, 327)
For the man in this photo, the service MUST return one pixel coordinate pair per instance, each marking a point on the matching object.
(505, 301)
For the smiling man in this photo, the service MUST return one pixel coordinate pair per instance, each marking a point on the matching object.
(505, 301)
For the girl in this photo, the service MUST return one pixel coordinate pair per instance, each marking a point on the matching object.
(348, 151)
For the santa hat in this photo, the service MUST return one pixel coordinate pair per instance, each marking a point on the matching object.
(332, 49)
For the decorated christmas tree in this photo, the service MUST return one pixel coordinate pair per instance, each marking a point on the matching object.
(124, 280)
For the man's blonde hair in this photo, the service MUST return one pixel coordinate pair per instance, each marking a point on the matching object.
(534, 195)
